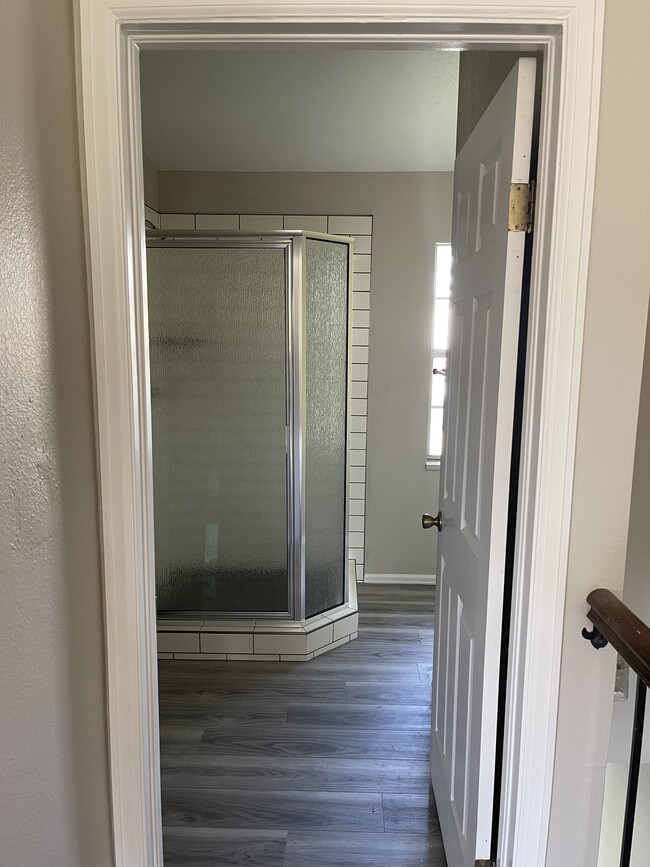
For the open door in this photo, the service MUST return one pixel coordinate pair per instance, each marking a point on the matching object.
(486, 291)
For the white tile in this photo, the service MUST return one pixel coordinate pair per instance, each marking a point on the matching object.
(165, 656)
(360, 572)
(164, 625)
(358, 554)
(360, 300)
(254, 657)
(316, 622)
(281, 643)
(360, 318)
(229, 642)
(357, 441)
(283, 626)
(356, 540)
(310, 222)
(357, 474)
(358, 388)
(359, 355)
(340, 225)
(177, 221)
(296, 657)
(331, 646)
(261, 222)
(360, 336)
(358, 406)
(361, 282)
(356, 507)
(346, 626)
(342, 611)
(357, 457)
(178, 642)
(356, 523)
(362, 243)
(361, 263)
(228, 626)
(320, 637)
(202, 656)
(358, 424)
(359, 372)
(152, 216)
(217, 221)
(357, 492)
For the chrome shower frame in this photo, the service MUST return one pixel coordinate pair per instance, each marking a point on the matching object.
(293, 243)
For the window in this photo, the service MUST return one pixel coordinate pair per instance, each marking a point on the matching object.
(441, 286)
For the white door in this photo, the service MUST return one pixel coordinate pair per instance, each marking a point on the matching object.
(483, 327)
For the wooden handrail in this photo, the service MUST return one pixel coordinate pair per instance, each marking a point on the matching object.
(627, 634)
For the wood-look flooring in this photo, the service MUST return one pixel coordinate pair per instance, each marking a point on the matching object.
(310, 764)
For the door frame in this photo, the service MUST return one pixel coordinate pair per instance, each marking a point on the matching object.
(108, 36)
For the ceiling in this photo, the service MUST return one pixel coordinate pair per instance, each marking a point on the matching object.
(344, 110)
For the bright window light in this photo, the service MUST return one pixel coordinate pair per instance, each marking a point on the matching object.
(439, 344)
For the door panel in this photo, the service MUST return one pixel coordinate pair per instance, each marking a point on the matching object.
(485, 305)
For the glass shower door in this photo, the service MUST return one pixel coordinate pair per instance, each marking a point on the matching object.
(218, 358)
(326, 302)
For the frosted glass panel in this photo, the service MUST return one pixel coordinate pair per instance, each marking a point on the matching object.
(325, 423)
(217, 324)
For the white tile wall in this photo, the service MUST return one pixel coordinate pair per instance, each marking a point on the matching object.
(217, 221)
(358, 389)
(262, 222)
(339, 225)
(229, 642)
(177, 221)
(360, 228)
(178, 642)
(307, 221)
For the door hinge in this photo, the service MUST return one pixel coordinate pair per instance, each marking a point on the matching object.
(521, 207)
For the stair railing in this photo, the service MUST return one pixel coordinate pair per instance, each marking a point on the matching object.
(614, 623)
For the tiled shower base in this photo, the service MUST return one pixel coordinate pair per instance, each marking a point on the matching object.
(284, 641)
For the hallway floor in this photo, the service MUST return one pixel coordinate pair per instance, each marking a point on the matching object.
(310, 764)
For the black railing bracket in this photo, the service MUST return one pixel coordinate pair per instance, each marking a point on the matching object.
(597, 638)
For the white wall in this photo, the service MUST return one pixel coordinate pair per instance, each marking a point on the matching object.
(54, 807)
(411, 212)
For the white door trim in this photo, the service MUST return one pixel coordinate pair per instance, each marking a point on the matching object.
(108, 35)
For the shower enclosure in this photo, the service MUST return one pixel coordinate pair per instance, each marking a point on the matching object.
(249, 349)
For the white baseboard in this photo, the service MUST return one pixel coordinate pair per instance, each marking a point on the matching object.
(383, 578)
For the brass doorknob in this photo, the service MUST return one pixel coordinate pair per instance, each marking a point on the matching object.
(429, 521)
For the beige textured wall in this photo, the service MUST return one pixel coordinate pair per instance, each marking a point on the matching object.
(54, 807)
(617, 303)
(636, 590)
(411, 212)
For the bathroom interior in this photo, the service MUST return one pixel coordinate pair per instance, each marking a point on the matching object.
(279, 485)
(298, 213)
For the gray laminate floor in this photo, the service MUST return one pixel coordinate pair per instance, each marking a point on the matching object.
(310, 764)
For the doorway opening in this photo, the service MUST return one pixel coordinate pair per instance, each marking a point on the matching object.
(112, 170)
(287, 401)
